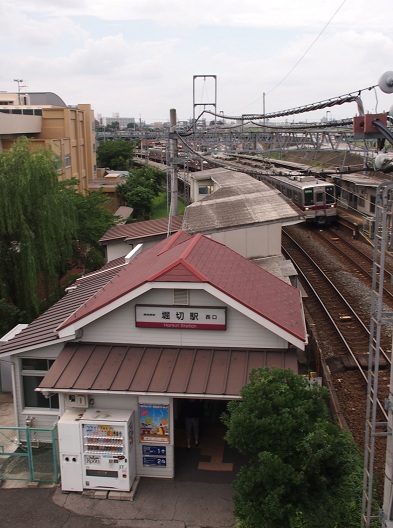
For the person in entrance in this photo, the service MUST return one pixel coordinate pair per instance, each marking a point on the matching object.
(192, 413)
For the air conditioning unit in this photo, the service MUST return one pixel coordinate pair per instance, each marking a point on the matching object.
(78, 401)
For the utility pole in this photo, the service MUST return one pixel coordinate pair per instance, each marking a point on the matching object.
(173, 155)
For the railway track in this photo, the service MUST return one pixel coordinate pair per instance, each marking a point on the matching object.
(338, 314)
(361, 259)
(349, 332)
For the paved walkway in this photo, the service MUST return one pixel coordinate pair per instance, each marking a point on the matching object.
(160, 504)
(195, 499)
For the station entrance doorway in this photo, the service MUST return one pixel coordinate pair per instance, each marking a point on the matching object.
(205, 457)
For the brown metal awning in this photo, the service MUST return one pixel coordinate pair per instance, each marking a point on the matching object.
(209, 372)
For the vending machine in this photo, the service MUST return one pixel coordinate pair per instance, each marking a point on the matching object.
(108, 449)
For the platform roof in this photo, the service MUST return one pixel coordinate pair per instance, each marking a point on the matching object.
(202, 372)
(240, 201)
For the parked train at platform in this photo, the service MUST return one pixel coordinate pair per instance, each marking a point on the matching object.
(314, 196)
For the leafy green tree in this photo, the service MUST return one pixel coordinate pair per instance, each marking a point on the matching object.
(303, 470)
(9, 316)
(139, 190)
(36, 227)
(116, 155)
(46, 228)
(93, 220)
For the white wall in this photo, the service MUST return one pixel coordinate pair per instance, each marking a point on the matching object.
(195, 183)
(252, 242)
(119, 249)
(116, 250)
(119, 326)
(45, 418)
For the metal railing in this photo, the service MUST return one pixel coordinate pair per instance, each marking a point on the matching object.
(29, 454)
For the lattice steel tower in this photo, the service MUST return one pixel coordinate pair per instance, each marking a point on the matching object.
(379, 317)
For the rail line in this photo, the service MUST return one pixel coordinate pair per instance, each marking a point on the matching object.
(359, 259)
(345, 331)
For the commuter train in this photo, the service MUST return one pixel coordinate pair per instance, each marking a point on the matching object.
(315, 197)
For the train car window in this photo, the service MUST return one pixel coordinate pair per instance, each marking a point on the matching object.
(320, 196)
(308, 197)
(330, 194)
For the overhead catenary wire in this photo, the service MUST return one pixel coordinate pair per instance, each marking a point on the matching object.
(320, 105)
(308, 49)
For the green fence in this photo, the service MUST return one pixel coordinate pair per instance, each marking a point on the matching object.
(29, 454)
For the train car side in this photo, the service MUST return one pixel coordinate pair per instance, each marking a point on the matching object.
(315, 197)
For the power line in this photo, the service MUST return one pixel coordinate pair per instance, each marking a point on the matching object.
(308, 49)
(304, 54)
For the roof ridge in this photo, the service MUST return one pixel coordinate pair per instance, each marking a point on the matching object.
(171, 241)
(173, 265)
(182, 259)
(191, 245)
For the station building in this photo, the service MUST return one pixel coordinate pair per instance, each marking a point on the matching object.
(166, 320)
(186, 318)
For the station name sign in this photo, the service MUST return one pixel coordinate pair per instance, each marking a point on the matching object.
(180, 317)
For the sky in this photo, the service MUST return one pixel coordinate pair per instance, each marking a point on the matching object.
(141, 58)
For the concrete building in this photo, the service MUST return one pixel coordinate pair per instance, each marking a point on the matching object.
(239, 211)
(123, 122)
(244, 214)
(48, 122)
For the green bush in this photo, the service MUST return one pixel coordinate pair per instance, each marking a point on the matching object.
(303, 470)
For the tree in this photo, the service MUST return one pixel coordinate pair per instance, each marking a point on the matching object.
(36, 227)
(93, 220)
(140, 188)
(46, 227)
(303, 470)
(115, 155)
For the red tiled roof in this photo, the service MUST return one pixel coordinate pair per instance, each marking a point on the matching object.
(186, 258)
(155, 369)
(42, 329)
(138, 230)
(179, 258)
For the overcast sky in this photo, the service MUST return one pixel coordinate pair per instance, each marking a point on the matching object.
(138, 57)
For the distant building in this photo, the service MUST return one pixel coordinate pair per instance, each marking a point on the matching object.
(47, 121)
(123, 121)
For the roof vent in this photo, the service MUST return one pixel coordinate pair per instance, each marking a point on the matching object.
(180, 297)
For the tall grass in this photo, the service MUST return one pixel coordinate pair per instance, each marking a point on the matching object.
(160, 209)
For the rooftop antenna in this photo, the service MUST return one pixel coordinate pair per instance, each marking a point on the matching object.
(19, 81)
